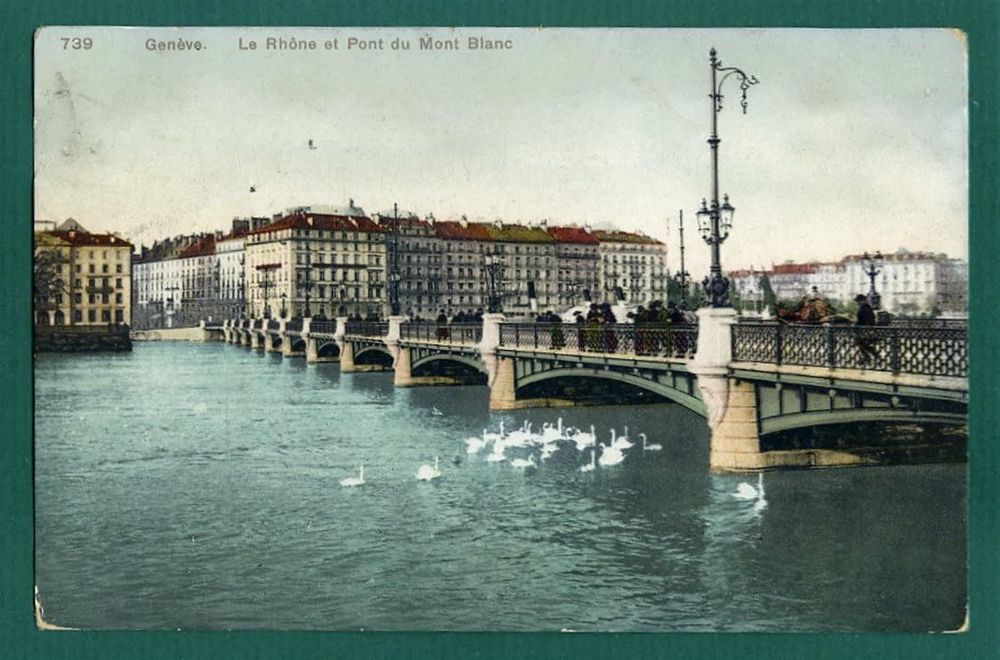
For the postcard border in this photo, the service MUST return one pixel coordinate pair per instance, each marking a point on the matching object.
(17, 629)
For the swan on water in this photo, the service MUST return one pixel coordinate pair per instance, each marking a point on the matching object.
(497, 454)
(549, 449)
(610, 455)
(588, 467)
(520, 437)
(622, 442)
(426, 472)
(493, 437)
(747, 492)
(524, 462)
(474, 444)
(355, 481)
(584, 440)
(649, 447)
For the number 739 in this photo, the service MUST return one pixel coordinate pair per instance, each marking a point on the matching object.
(77, 43)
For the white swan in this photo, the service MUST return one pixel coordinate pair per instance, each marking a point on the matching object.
(610, 455)
(497, 454)
(523, 463)
(550, 433)
(588, 467)
(747, 492)
(584, 440)
(474, 444)
(493, 437)
(426, 472)
(622, 442)
(520, 437)
(355, 481)
(649, 447)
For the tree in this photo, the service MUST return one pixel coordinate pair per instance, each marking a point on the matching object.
(47, 282)
(696, 295)
(675, 293)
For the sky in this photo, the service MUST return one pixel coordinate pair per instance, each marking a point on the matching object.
(853, 140)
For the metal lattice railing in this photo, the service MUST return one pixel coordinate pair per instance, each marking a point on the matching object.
(273, 324)
(293, 325)
(322, 327)
(923, 349)
(449, 333)
(366, 329)
(675, 340)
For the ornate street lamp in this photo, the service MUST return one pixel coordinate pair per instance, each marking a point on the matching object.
(494, 276)
(714, 220)
(394, 276)
(872, 266)
(284, 309)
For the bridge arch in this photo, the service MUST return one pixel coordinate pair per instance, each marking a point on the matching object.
(328, 349)
(374, 354)
(420, 364)
(814, 419)
(298, 344)
(527, 383)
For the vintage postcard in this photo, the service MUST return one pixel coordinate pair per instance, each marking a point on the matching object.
(460, 329)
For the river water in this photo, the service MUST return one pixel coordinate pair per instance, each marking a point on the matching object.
(196, 486)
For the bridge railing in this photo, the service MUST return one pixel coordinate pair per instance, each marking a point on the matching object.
(293, 325)
(614, 338)
(322, 327)
(930, 350)
(273, 324)
(451, 333)
(366, 329)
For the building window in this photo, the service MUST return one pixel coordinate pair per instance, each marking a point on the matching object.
(77, 316)
(92, 315)
(105, 315)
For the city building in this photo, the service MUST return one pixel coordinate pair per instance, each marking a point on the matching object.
(158, 280)
(908, 283)
(419, 263)
(324, 264)
(577, 265)
(81, 278)
(633, 267)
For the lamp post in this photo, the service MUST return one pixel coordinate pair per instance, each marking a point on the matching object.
(494, 276)
(715, 220)
(872, 266)
(394, 277)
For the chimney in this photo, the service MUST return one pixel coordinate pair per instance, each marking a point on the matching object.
(586, 227)
(464, 222)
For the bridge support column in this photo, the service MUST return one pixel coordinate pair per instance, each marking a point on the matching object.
(255, 338)
(347, 357)
(502, 394)
(392, 336)
(735, 438)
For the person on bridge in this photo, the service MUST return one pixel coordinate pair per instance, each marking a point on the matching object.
(865, 339)
(442, 325)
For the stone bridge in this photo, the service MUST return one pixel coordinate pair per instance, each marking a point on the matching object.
(756, 383)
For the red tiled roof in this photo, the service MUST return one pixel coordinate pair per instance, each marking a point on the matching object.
(793, 269)
(572, 235)
(321, 221)
(85, 238)
(200, 248)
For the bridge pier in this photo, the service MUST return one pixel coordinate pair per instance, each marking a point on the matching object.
(256, 337)
(347, 357)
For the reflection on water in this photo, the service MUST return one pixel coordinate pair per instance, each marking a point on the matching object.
(196, 486)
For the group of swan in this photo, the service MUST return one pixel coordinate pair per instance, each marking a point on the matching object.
(546, 441)
(424, 473)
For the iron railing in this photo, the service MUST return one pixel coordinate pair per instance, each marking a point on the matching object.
(366, 328)
(293, 325)
(273, 324)
(449, 333)
(940, 350)
(322, 327)
(675, 340)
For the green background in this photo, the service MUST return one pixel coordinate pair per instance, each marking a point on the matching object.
(980, 19)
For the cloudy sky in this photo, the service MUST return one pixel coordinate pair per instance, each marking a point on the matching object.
(854, 139)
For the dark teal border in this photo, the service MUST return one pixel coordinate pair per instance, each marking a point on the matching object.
(18, 638)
